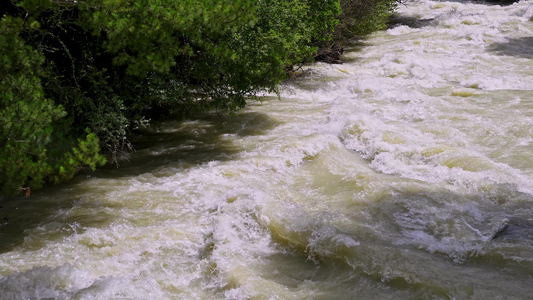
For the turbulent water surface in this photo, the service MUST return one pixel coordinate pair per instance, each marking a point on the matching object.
(405, 173)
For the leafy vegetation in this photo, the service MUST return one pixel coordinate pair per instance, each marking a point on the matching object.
(359, 18)
(81, 75)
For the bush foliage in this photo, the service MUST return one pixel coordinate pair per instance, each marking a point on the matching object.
(359, 18)
(81, 75)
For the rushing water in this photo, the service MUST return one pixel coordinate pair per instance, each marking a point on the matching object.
(405, 173)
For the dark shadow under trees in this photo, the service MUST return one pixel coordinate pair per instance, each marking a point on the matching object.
(180, 144)
(518, 47)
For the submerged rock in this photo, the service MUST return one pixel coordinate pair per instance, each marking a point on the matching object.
(499, 2)
(515, 228)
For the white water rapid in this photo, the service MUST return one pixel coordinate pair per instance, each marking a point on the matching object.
(404, 173)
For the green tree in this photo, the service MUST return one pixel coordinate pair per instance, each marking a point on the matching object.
(81, 75)
(362, 17)
(26, 116)
(209, 54)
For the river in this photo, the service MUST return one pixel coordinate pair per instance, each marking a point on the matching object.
(404, 173)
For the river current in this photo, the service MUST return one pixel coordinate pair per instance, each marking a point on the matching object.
(404, 173)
